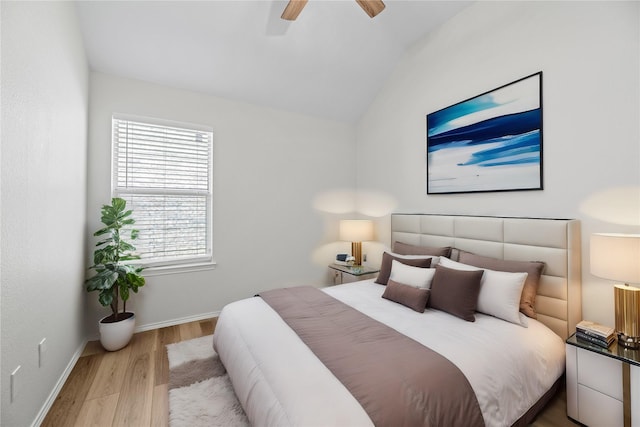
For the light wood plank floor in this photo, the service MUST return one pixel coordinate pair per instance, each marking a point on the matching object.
(129, 387)
(122, 388)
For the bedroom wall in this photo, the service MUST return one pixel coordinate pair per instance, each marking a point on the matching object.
(276, 177)
(589, 53)
(44, 86)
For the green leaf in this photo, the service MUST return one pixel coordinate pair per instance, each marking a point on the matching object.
(125, 246)
(93, 283)
(108, 216)
(106, 298)
(118, 204)
(102, 231)
(124, 292)
(104, 255)
(135, 280)
(107, 279)
(104, 242)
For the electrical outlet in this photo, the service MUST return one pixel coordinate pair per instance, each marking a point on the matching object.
(364, 258)
(14, 384)
(42, 349)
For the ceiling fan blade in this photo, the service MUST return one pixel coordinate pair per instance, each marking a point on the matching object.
(372, 7)
(293, 9)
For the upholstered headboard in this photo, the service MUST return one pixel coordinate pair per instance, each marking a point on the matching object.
(556, 242)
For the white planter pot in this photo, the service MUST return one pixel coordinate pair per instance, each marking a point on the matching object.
(114, 336)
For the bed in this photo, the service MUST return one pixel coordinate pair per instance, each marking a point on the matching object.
(512, 367)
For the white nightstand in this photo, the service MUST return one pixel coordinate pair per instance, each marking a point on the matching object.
(339, 274)
(603, 384)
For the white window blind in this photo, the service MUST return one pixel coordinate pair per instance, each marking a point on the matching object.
(164, 172)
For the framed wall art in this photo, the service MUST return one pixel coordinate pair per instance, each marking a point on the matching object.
(491, 142)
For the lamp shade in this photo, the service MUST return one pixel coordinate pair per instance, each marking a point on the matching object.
(616, 256)
(356, 230)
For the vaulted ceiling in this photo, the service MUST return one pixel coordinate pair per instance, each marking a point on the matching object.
(330, 62)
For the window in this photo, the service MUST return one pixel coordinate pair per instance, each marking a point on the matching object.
(164, 172)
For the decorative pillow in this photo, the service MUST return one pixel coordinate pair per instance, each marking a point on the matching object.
(413, 276)
(409, 296)
(532, 268)
(449, 263)
(456, 292)
(407, 249)
(499, 292)
(385, 266)
(500, 295)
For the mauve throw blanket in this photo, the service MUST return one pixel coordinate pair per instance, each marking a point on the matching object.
(397, 380)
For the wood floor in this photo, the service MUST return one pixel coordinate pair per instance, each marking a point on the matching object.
(122, 388)
(129, 387)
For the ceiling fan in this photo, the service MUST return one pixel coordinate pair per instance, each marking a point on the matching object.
(293, 9)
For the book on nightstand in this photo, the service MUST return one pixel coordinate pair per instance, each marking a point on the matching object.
(595, 333)
(593, 340)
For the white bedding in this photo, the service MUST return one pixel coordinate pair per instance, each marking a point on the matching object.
(280, 382)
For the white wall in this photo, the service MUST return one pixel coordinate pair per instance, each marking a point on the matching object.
(44, 89)
(589, 53)
(272, 171)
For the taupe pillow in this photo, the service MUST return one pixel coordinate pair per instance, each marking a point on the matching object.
(407, 249)
(532, 268)
(387, 259)
(456, 292)
(409, 296)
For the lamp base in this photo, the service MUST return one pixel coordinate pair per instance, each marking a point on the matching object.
(356, 251)
(627, 302)
(627, 341)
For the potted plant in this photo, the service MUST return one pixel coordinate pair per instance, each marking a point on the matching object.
(115, 276)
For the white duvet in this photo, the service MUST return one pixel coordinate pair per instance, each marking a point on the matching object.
(280, 382)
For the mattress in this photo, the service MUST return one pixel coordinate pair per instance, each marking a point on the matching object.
(280, 382)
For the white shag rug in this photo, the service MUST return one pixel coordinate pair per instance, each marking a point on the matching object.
(200, 392)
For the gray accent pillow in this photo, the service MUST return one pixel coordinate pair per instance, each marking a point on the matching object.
(456, 292)
(532, 268)
(407, 249)
(409, 296)
(387, 259)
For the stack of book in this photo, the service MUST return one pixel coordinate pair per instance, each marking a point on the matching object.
(595, 333)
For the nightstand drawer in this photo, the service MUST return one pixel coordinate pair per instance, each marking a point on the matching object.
(599, 409)
(600, 373)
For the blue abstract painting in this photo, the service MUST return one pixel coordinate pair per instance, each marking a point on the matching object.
(492, 142)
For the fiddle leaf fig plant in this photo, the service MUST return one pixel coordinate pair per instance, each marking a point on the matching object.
(114, 275)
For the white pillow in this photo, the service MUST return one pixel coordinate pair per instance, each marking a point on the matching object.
(434, 259)
(500, 292)
(413, 276)
(449, 263)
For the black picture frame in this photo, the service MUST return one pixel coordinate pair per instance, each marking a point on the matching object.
(490, 142)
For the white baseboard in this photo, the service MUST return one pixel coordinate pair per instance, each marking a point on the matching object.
(179, 321)
(165, 323)
(56, 390)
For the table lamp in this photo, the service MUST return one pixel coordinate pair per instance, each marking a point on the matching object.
(617, 257)
(356, 231)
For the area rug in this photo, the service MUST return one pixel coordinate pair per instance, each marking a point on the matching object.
(200, 392)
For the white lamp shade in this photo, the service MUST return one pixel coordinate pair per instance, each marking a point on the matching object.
(616, 256)
(356, 230)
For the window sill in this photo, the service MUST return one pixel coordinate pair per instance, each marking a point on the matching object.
(163, 270)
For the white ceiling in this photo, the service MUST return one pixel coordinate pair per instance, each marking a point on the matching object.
(330, 62)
